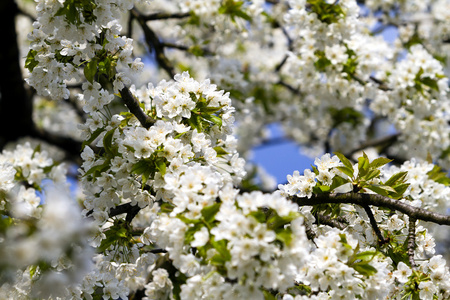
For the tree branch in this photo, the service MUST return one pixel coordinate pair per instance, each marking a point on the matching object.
(153, 42)
(390, 139)
(374, 200)
(133, 105)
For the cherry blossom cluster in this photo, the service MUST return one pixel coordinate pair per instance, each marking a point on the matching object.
(331, 61)
(418, 102)
(236, 245)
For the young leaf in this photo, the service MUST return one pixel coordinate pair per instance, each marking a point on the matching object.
(379, 162)
(346, 171)
(90, 70)
(364, 269)
(363, 166)
(396, 178)
(337, 182)
(344, 160)
(372, 174)
(107, 141)
(94, 135)
(209, 212)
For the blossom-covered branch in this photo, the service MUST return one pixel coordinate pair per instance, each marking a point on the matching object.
(375, 200)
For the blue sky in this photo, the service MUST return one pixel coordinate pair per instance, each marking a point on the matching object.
(281, 159)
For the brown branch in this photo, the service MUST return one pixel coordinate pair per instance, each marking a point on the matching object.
(133, 105)
(310, 234)
(165, 16)
(154, 44)
(411, 241)
(289, 87)
(374, 200)
(205, 51)
(390, 139)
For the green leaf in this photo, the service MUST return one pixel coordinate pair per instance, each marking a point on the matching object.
(31, 61)
(220, 151)
(345, 161)
(400, 190)
(91, 69)
(268, 295)
(438, 176)
(107, 142)
(140, 167)
(381, 189)
(221, 247)
(364, 269)
(372, 174)
(97, 170)
(93, 136)
(363, 166)
(189, 234)
(337, 182)
(379, 162)
(284, 235)
(432, 83)
(346, 171)
(210, 212)
(259, 216)
(160, 165)
(399, 177)
(366, 255)
(214, 119)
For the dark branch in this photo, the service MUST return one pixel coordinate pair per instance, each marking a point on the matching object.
(411, 241)
(133, 105)
(374, 200)
(154, 44)
(165, 16)
(204, 51)
(327, 220)
(376, 142)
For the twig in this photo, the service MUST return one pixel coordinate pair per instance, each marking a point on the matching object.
(411, 241)
(327, 220)
(373, 223)
(165, 16)
(289, 87)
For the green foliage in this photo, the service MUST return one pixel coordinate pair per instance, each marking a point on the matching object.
(119, 234)
(436, 174)
(147, 167)
(424, 83)
(78, 12)
(360, 261)
(322, 61)
(327, 13)
(368, 177)
(31, 61)
(203, 116)
(346, 115)
(234, 10)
